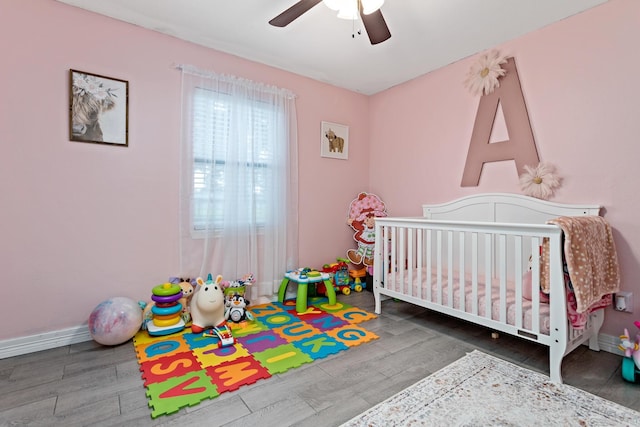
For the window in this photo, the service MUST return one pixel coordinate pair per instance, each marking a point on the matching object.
(238, 179)
(224, 167)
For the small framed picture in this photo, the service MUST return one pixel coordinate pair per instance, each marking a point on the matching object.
(98, 109)
(334, 141)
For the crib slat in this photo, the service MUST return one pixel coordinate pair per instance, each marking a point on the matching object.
(462, 272)
(450, 269)
(488, 273)
(429, 265)
(502, 274)
(535, 285)
(419, 261)
(394, 257)
(439, 267)
(474, 273)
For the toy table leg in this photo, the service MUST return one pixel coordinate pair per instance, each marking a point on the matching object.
(283, 289)
(301, 298)
(331, 292)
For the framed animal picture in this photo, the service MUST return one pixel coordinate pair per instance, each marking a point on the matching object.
(334, 141)
(98, 109)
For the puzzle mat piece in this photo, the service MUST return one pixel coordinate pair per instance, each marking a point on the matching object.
(282, 358)
(229, 376)
(142, 337)
(354, 315)
(261, 341)
(158, 348)
(213, 356)
(176, 393)
(320, 346)
(338, 306)
(352, 335)
(296, 331)
(327, 322)
(196, 341)
(179, 364)
(275, 320)
(249, 328)
(266, 309)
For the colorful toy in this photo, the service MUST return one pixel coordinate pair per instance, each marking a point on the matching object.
(115, 321)
(165, 311)
(223, 333)
(357, 276)
(362, 214)
(239, 286)
(303, 277)
(631, 361)
(187, 293)
(207, 305)
(236, 309)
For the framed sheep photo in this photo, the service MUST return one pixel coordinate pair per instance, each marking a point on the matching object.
(334, 141)
(98, 109)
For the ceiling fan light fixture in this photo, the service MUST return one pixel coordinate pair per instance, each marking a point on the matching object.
(334, 4)
(370, 6)
(349, 10)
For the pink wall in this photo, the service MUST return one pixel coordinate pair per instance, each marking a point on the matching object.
(84, 222)
(579, 79)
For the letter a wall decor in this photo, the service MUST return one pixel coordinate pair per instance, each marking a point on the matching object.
(520, 146)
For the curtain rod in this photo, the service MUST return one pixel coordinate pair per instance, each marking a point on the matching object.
(193, 70)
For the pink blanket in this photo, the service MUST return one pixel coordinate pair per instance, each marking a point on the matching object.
(591, 258)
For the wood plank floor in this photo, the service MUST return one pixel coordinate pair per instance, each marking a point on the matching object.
(87, 384)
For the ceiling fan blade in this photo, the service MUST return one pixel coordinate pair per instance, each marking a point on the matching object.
(294, 12)
(376, 27)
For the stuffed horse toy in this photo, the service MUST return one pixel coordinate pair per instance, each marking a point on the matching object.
(207, 305)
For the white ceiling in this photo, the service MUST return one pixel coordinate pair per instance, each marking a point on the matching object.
(426, 34)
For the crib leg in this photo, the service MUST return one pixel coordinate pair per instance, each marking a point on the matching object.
(376, 297)
(597, 319)
(555, 364)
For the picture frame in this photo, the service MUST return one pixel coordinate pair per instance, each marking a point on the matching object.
(98, 109)
(334, 141)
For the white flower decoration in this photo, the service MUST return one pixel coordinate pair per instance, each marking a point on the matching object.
(85, 84)
(484, 73)
(539, 182)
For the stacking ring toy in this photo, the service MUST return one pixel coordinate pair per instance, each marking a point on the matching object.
(166, 289)
(161, 323)
(166, 299)
(165, 316)
(164, 311)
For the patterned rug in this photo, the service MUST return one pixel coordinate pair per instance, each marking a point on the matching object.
(184, 369)
(481, 390)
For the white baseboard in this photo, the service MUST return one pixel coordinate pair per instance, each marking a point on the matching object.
(609, 343)
(45, 341)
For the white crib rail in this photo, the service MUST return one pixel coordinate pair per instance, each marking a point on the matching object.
(486, 253)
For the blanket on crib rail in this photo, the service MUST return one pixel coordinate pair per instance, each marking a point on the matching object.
(591, 259)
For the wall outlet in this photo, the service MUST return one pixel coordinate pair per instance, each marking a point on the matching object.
(623, 301)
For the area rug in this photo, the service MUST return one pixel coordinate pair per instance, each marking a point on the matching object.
(184, 369)
(481, 390)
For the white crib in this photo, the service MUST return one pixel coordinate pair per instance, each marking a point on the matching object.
(487, 240)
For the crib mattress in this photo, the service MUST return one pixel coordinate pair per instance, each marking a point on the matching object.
(396, 282)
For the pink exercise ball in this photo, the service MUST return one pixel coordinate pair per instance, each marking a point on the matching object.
(115, 321)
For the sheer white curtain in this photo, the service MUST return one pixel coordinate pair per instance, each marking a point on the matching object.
(239, 180)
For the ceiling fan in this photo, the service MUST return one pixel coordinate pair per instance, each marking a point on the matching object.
(374, 22)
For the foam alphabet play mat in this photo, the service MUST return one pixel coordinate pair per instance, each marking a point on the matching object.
(184, 368)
